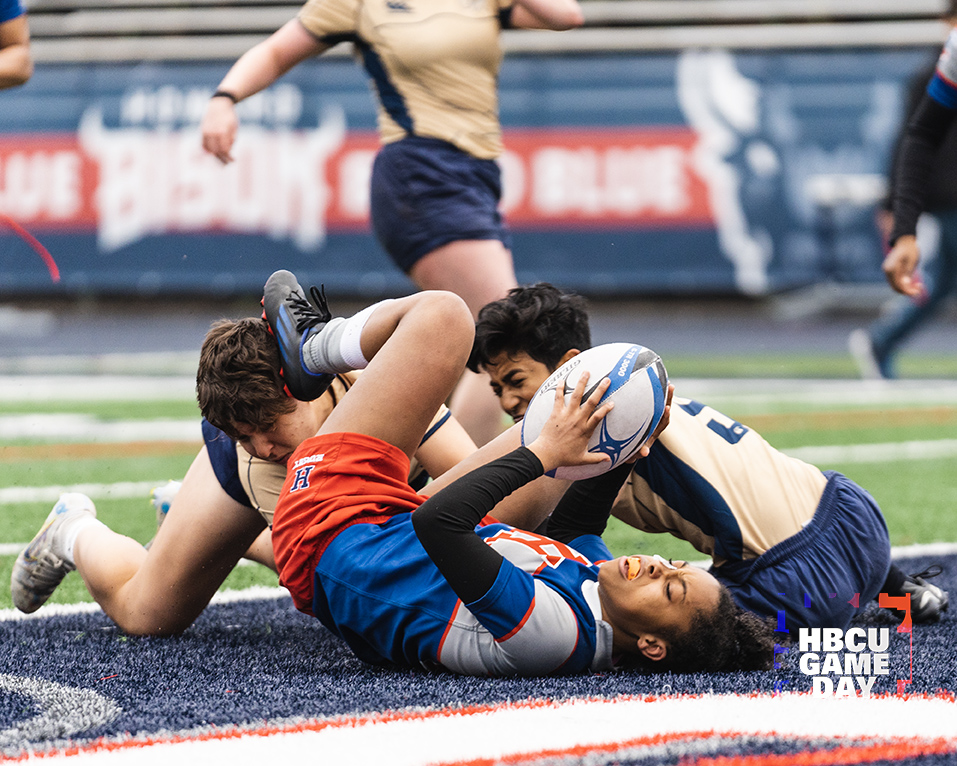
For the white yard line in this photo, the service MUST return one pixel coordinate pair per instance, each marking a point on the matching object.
(92, 388)
(120, 490)
(255, 593)
(757, 394)
(820, 456)
(887, 452)
(745, 392)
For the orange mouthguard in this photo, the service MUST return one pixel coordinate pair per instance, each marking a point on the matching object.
(634, 566)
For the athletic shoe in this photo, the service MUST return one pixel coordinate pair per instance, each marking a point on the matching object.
(42, 565)
(292, 317)
(927, 602)
(162, 498)
(869, 364)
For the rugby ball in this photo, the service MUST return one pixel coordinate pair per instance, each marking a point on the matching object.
(639, 386)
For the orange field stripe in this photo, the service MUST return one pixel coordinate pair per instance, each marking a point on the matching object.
(80, 451)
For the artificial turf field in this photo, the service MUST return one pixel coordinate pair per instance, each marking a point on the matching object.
(253, 680)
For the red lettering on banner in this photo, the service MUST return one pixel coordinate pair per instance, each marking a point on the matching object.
(597, 176)
(47, 181)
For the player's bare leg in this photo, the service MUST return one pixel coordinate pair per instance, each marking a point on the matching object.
(261, 551)
(417, 347)
(163, 590)
(413, 351)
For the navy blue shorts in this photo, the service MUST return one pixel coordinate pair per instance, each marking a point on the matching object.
(821, 576)
(427, 193)
(222, 457)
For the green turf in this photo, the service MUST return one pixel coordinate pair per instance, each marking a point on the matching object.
(790, 365)
(112, 410)
(108, 469)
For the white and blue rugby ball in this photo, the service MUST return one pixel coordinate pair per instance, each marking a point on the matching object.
(639, 387)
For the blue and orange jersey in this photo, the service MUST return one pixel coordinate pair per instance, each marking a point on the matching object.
(377, 588)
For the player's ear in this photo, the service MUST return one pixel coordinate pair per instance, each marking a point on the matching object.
(571, 353)
(652, 647)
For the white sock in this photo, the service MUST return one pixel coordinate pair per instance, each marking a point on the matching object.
(336, 347)
(66, 536)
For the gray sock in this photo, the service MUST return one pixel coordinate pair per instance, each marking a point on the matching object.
(320, 352)
(336, 347)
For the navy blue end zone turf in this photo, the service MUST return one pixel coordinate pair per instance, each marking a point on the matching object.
(261, 661)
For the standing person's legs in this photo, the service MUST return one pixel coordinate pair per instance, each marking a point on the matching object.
(434, 209)
(480, 271)
(888, 334)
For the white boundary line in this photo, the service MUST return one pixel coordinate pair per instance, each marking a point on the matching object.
(749, 392)
(255, 593)
(120, 490)
(565, 731)
(93, 388)
(66, 427)
(886, 452)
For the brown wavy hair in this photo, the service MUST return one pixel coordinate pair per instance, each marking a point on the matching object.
(238, 379)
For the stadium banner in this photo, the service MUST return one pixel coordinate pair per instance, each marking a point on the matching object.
(624, 174)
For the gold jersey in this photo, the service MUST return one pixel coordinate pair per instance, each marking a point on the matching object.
(719, 485)
(433, 64)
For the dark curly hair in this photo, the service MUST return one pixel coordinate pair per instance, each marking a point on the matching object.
(539, 320)
(728, 638)
(238, 379)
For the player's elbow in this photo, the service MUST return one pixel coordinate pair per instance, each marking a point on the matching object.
(25, 73)
(20, 71)
(575, 17)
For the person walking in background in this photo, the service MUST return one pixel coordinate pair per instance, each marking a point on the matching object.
(16, 63)
(435, 184)
(924, 177)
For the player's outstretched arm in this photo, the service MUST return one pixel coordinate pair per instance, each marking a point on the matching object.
(914, 163)
(16, 63)
(445, 523)
(444, 448)
(255, 70)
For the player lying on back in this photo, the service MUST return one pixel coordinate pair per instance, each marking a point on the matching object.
(643, 578)
(224, 504)
(782, 534)
(416, 581)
